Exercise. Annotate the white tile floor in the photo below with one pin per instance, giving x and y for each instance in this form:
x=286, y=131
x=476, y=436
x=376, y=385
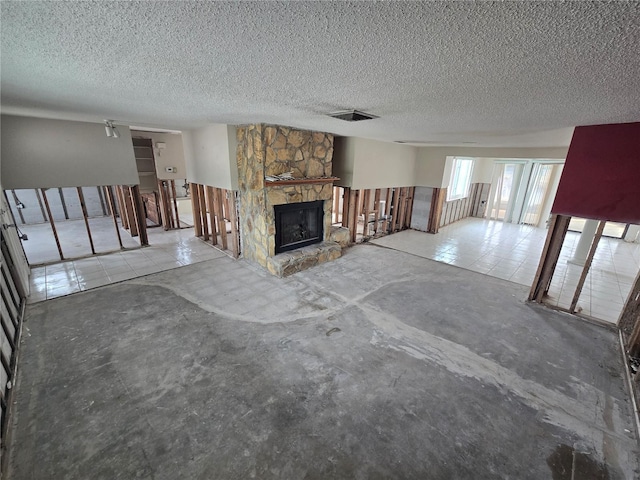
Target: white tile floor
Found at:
x=168, y=250
x=512, y=252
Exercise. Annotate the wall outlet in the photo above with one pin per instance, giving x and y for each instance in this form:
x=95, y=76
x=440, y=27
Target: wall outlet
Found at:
x=170, y=169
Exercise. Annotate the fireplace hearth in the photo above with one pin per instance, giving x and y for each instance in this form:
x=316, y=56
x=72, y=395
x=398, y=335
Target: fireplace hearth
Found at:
x=298, y=225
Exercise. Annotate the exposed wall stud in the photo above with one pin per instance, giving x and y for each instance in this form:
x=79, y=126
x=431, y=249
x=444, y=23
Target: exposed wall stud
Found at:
x=83, y=206
x=52, y=223
x=112, y=206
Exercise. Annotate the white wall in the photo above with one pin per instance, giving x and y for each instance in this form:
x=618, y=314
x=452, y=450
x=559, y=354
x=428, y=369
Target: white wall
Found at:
x=210, y=156
x=482, y=170
x=170, y=156
x=343, y=158
x=432, y=169
x=40, y=153
x=383, y=164
x=363, y=163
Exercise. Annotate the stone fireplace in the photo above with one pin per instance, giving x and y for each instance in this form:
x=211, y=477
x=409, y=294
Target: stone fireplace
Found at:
x=303, y=202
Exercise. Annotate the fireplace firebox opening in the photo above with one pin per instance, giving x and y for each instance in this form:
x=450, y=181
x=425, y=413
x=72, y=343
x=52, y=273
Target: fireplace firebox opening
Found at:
x=298, y=225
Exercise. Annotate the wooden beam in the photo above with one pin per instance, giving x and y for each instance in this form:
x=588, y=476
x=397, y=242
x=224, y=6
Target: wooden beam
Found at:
x=42, y=210
x=233, y=217
x=112, y=211
x=387, y=211
x=222, y=226
x=587, y=265
x=63, y=203
x=140, y=217
x=549, y=258
x=52, y=223
x=376, y=210
x=212, y=214
x=122, y=207
x=174, y=200
x=411, y=193
x=336, y=205
x=437, y=203
x=130, y=210
x=203, y=212
x=353, y=214
x=195, y=209
x=346, y=196
x=395, y=210
x=165, y=220
x=83, y=206
x=101, y=196
x=366, y=203
x=403, y=208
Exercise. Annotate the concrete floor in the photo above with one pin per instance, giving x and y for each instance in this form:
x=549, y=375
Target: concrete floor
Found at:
x=380, y=364
x=512, y=252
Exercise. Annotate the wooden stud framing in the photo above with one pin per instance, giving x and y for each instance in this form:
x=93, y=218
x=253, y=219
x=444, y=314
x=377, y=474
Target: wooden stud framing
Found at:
x=630, y=319
x=52, y=223
x=587, y=265
x=376, y=210
x=411, y=193
x=437, y=202
x=549, y=258
x=346, y=199
x=101, y=196
x=222, y=225
x=366, y=202
x=83, y=206
x=387, y=211
x=353, y=214
x=233, y=217
x=403, y=209
x=138, y=210
x=42, y=209
x=394, y=211
x=195, y=207
x=335, y=213
x=122, y=207
x=165, y=219
x=203, y=213
x=174, y=201
x=63, y=203
x=112, y=210
x=212, y=214
x=631, y=311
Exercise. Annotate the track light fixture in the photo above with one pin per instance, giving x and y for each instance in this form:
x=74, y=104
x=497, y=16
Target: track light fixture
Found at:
x=110, y=129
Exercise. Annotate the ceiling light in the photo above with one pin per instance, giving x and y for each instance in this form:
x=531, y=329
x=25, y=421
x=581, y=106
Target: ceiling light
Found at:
x=352, y=116
x=110, y=129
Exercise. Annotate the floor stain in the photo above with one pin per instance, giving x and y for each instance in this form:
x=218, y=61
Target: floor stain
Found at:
x=567, y=464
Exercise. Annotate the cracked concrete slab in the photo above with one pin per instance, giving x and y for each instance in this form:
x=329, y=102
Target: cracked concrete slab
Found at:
x=377, y=365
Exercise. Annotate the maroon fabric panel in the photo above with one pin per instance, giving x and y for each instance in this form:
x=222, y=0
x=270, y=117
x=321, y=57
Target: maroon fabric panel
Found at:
x=601, y=176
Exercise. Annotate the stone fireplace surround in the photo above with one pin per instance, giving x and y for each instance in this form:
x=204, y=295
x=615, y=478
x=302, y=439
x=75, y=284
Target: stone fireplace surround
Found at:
x=267, y=150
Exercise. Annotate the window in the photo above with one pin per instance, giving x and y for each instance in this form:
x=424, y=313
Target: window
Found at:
x=460, y=178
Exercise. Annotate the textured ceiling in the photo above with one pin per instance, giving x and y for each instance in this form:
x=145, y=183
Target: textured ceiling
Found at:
x=506, y=73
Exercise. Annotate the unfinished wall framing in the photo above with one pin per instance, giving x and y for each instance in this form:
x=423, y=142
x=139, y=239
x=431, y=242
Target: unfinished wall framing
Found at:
x=13, y=293
x=369, y=213
x=215, y=217
x=74, y=222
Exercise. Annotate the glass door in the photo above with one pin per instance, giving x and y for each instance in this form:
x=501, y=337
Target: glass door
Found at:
x=506, y=178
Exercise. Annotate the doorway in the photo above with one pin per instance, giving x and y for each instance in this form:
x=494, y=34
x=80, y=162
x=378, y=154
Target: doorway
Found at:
x=522, y=191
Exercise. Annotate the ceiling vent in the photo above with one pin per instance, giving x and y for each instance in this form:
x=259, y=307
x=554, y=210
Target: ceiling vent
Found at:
x=352, y=116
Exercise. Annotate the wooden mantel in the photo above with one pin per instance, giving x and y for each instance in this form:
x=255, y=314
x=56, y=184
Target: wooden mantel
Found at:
x=301, y=181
